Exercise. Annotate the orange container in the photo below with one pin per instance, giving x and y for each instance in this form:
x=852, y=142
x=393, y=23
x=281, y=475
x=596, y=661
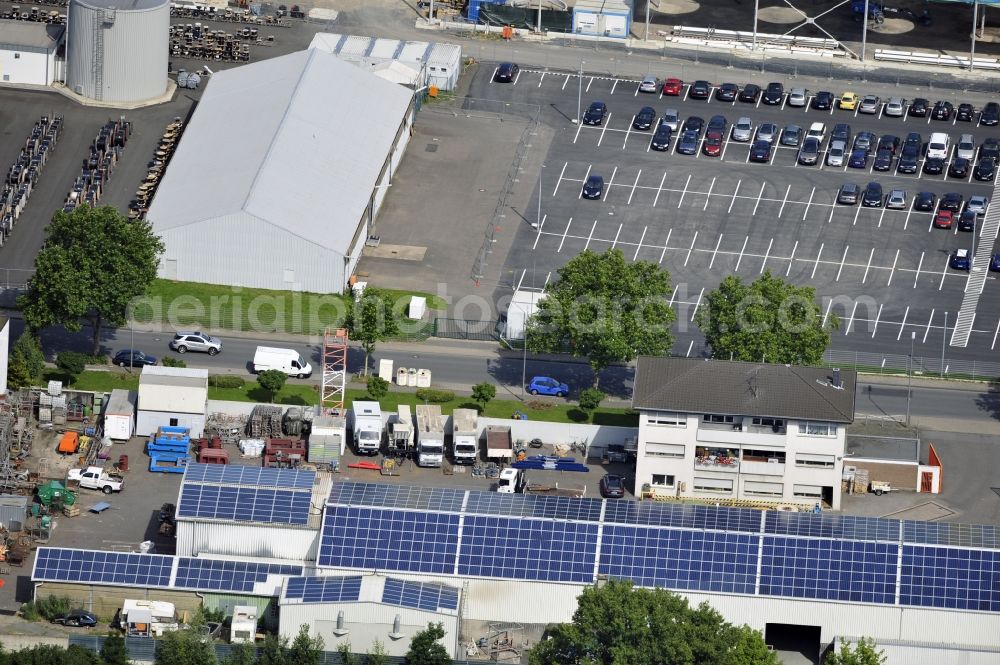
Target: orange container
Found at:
x=69, y=443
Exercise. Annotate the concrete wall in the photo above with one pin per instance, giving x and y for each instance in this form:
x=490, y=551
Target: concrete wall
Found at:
x=17, y=642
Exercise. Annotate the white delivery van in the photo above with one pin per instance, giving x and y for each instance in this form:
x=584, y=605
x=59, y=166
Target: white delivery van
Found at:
x=939, y=146
x=288, y=361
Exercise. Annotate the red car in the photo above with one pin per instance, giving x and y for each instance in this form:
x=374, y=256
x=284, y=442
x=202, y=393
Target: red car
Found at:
x=944, y=219
x=673, y=87
x=713, y=144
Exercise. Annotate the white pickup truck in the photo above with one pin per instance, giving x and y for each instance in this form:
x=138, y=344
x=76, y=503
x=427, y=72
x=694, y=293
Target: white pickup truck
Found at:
x=94, y=478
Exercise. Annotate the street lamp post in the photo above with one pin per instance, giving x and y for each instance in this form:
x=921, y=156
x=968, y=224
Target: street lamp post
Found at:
x=909, y=377
x=579, y=94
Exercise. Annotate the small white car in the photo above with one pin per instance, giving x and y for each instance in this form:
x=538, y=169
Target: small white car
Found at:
x=966, y=148
x=817, y=130
x=649, y=84
x=896, y=200
x=743, y=130
x=895, y=107
x=797, y=97
x=835, y=155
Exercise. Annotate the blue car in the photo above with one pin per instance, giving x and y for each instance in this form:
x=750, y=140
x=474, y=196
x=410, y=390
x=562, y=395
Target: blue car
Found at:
x=858, y=159
x=545, y=385
x=960, y=260
x=995, y=263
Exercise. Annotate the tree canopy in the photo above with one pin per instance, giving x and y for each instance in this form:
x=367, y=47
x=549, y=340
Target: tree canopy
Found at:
x=605, y=309
x=372, y=320
x=767, y=320
x=93, y=263
x=617, y=624
x=865, y=652
x=426, y=649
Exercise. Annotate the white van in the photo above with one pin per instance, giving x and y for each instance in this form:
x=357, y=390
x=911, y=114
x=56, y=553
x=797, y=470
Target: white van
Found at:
x=939, y=146
x=284, y=360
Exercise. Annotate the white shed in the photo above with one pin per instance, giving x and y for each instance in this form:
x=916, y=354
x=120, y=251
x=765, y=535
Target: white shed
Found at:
x=521, y=307
x=119, y=416
x=432, y=63
x=174, y=396
x=602, y=18
x=28, y=52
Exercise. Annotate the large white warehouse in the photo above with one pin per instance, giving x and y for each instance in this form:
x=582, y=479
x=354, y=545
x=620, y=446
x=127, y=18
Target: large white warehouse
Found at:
x=280, y=173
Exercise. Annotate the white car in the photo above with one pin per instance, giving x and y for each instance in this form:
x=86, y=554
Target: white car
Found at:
x=797, y=97
x=895, y=107
x=835, y=155
x=649, y=84
x=896, y=200
x=743, y=130
x=672, y=119
x=817, y=130
x=966, y=148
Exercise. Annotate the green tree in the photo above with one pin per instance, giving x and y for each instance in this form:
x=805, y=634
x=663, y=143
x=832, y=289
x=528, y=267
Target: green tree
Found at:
x=377, y=387
x=590, y=399
x=425, y=649
x=767, y=320
x=113, y=651
x=483, y=393
x=241, y=654
x=71, y=364
x=377, y=655
x=347, y=656
x=605, y=309
x=372, y=320
x=26, y=361
x=93, y=263
x=273, y=651
x=865, y=652
x=617, y=624
x=185, y=647
x=306, y=649
x=272, y=381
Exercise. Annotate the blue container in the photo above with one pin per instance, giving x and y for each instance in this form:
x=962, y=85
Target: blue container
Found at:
x=474, y=8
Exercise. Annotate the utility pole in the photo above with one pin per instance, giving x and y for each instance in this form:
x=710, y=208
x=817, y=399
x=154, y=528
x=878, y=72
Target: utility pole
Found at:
x=975, y=18
x=864, y=32
x=579, y=95
x=909, y=377
x=944, y=335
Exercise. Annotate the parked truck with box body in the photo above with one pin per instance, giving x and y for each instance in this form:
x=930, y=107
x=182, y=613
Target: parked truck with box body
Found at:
x=401, y=432
x=430, y=435
x=367, y=430
x=148, y=618
x=465, y=435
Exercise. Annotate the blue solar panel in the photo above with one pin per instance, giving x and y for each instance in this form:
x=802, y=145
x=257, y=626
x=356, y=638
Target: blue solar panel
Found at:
x=244, y=504
x=375, y=538
x=680, y=515
x=697, y=560
x=323, y=589
x=946, y=533
x=397, y=496
x=526, y=549
x=533, y=505
x=951, y=578
x=224, y=575
x=54, y=564
x=427, y=596
x=843, y=527
x=254, y=476
x=855, y=571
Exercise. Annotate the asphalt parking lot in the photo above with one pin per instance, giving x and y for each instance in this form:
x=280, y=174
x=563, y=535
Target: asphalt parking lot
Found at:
x=883, y=272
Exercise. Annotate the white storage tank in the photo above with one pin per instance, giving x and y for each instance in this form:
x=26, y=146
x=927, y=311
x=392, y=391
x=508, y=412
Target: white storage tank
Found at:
x=117, y=50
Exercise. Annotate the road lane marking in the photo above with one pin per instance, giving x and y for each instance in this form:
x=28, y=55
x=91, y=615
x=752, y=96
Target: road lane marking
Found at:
x=716, y=252
x=842, y=259
x=691, y=248
x=902, y=326
x=559, y=181
x=564, y=234
x=816, y=265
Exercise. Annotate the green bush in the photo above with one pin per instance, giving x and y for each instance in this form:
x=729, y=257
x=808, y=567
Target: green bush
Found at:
x=590, y=399
x=45, y=608
x=435, y=395
x=173, y=362
x=225, y=381
x=377, y=387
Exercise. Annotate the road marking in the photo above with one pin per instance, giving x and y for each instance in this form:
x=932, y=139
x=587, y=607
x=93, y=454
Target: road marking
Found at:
x=585, y=176
x=850, y=321
x=628, y=131
x=919, y=265
x=639, y=246
x=906, y=222
x=559, y=181
x=877, y=317
x=737, y=191
x=497, y=68
x=673, y=295
x=740, y=260
x=826, y=315
x=684, y=192
x=715, y=253
x=517, y=78
x=564, y=234
x=709, y=197
x=902, y=326
x=927, y=330
x=566, y=81
x=604, y=128
x=766, y=255
x=539, y=234
x=893, y=270
x=690, y=346
x=579, y=127
x=691, y=248
x=858, y=212
x=868, y=267
x=784, y=201
x=725, y=144
x=613, y=86
x=759, y=195
x=809, y=203
x=590, y=236
x=542, y=78
x=833, y=209
x=930, y=225
x=791, y=259
x=842, y=259
x=589, y=82
x=816, y=265
x=634, y=185
x=696, y=306
x=944, y=273
x=636, y=93
x=881, y=217
x=881, y=108
x=666, y=243
x=659, y=188
x=686, y=91
x=997, y=332
x=616, y=236
x=610, y=183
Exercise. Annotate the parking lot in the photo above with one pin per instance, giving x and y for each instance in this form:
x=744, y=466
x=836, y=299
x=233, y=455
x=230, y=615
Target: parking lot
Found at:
x=885, y=273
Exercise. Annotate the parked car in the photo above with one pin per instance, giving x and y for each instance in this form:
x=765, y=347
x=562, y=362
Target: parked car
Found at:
x=865, y=140
x=965, y=112
x=967, y=221
x=546, y=385
x=712, y=145
x=687, y=144
x=132, y=358
x=889, y=142
x=506, y=73
x=760, y=151
x=791, y=135
x=990, y=149
x=661, y=137
x=959, y=168
x=727, y=92
x=672, y=119
x=961, y=259
x=616, y=453
x=809, y=152
x=858, y=159
x=918, y=107
x=700, y=90
x=750, y=93
x=743, y=130
x=985, y=170
x=870, y=104
x=933, y=166
x=774, y=93
x=767, y=131
x=990, y=114
x=896, y=199
x=672, y=87
x=914, y=139
x=944, y=219
x=612, y=487
x=595, y=113
x=818, y=131
x=848, y=101
x=995, y=263
x=872, y=196
x=849, y=194
x=644, y=118
x=194, y=340
x=835, y=155
x=951, y=201
x=895, y=107
x=943, y=110
x=717, y=123
x=909, y=160
x=841, y=132
x=966, y=147
x=883, y=160
x=694, y=124
x=797, y=97
x=594, y=187
x=925, y=201
x=76, y=618
x=822, y=100
x=649, y=83
x=977, y=204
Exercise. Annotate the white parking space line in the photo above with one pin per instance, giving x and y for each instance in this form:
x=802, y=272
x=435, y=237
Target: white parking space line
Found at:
x=615, y=243
x=818, y=255
x=709, y=197
x=679, y=203
x=589, y=82
x=686, y=91
x=735, y=192
x=542, y=78
x=566, y=81
x=809, y=203
x=516, y=78
x=579, y=127
x=691, y=248
x=944, y=273
x=833, y=209
x=880, y=109
x=589, y=237
x=660, y=188
x=539, y=234
x=791, y=259
x=869, y=266
x=564, y=235
x=494, y=76
x=636, y=93
x=561, y=174
x=893, y=270
x=930, y=224
x=585, y=176
x=766, y=255
x=628, y=130
x=613, y=86
x=919, y=265
x=881, y=217
x=740, y=259
x=604, y=128
x=826, y=314
x=722, y=155
x=759, y=195
x=997, y=332
x=850, y=321
x=784, y=201
x=666, y=243
x=906, y=222
x=695, y=312
x=611, y=182
x=634, y=185
x=856, y=213
x=758, y=101
x=690, y=347
x=842, y=259
x=877, y=318
x=902, y=326
x=715, y=252
x=927, y=330
x=639, y=246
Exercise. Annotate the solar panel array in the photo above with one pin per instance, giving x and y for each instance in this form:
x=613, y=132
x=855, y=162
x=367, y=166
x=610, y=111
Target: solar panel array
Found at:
x=397, y=496
x=951, y=578
x=251, y=476
x=945, y=533
x=428, y=596
x=533, y=505
x=843, y=527
x=244, y=504
x=54, y=564
x=682, y=515
x=225, y=575
x=323, y=589
x=528, y=549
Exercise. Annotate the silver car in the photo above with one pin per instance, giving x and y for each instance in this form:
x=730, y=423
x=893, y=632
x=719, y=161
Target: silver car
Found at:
x=966, y=148
x=896, y=199
x=743, y=129
x=835, y=155
x=895, y=107
x=977, y=204
x=185, y=341
x=672, y=119
x=809, y=152
x=649, y=84
x=797, y=97
x=869, y=104
x=767, y=131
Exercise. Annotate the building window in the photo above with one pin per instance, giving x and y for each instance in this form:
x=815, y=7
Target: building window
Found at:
x=818, y=429
x=174, y=422
x=667, y=419
x=713, y=485
x=662, y=480
x=17, y=56
x=810, y=491
x=763, y=489
x=721, y=457
x=814, y=460
x=665, y=450
x=444, y=70
x=712, y=418
x=772, y=456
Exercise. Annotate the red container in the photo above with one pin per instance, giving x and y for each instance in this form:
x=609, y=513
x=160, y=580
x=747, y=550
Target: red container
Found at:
x=123, y=463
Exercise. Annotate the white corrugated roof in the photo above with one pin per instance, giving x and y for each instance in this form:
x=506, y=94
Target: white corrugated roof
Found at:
x=297, y=141
x=397, y=72
x=173, y=389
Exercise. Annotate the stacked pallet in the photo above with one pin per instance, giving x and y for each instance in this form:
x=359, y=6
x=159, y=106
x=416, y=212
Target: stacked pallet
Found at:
x=265, y=422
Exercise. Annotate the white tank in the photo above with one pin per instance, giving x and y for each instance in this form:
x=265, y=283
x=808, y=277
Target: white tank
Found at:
x=117, y=50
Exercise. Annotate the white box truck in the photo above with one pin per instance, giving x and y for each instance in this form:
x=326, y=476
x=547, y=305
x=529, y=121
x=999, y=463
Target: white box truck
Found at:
x=430, y=435
x=288, y=361
x=367, y=430
x=465, y=435
x=119, y=416
x=401, y=432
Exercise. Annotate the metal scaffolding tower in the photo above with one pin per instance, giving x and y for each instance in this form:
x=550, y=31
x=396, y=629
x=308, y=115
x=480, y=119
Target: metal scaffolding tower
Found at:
x=334, y=370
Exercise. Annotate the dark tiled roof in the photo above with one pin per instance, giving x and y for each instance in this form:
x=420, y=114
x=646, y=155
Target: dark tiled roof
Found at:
x=695, y=385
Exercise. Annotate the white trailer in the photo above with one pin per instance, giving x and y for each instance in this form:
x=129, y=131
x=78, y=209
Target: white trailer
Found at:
x=465, y=435
x=243, y=628
x=367, y=429
x=327, y=440
x=430, y=435
x=401, y=431
x=148, y=618
x=119, y=416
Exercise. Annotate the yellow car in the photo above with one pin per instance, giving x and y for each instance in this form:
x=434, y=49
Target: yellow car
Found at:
x=849, y=101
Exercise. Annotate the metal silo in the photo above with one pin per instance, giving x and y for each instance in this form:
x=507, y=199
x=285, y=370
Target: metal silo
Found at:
x=117, y=49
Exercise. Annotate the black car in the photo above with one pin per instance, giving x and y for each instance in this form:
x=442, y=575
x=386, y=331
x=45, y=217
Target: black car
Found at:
x=990, y=150
x=760, y=151
x=717, y=123
x=864, y=141
x=909, y=160
x=693, y=124
x=942, y=110
x=872, y=197
x=883, y=160
x=914, y=139
x=918, y=107
x=661, y=138
x=595, y=113
x=933, y=166
x=967, y=221
x=506, y=72
x=644, y=118
x=612, y=487
x=925, y=201
x=727, y=92
x=841, y=132
x=616, y=453
x=959, y=168
x=951, y=201
x=167, y=512
x=594, y=187
x=687, y=144
x=858, y=159
x=76, y=618
x=750, y=93
x=822, y=101
x=965, y=112
x=132, y=358
x=774, y=93
x=848, y=194
x=700, y=90
x=890, y=143
x=985, y=170
x=990, y=114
